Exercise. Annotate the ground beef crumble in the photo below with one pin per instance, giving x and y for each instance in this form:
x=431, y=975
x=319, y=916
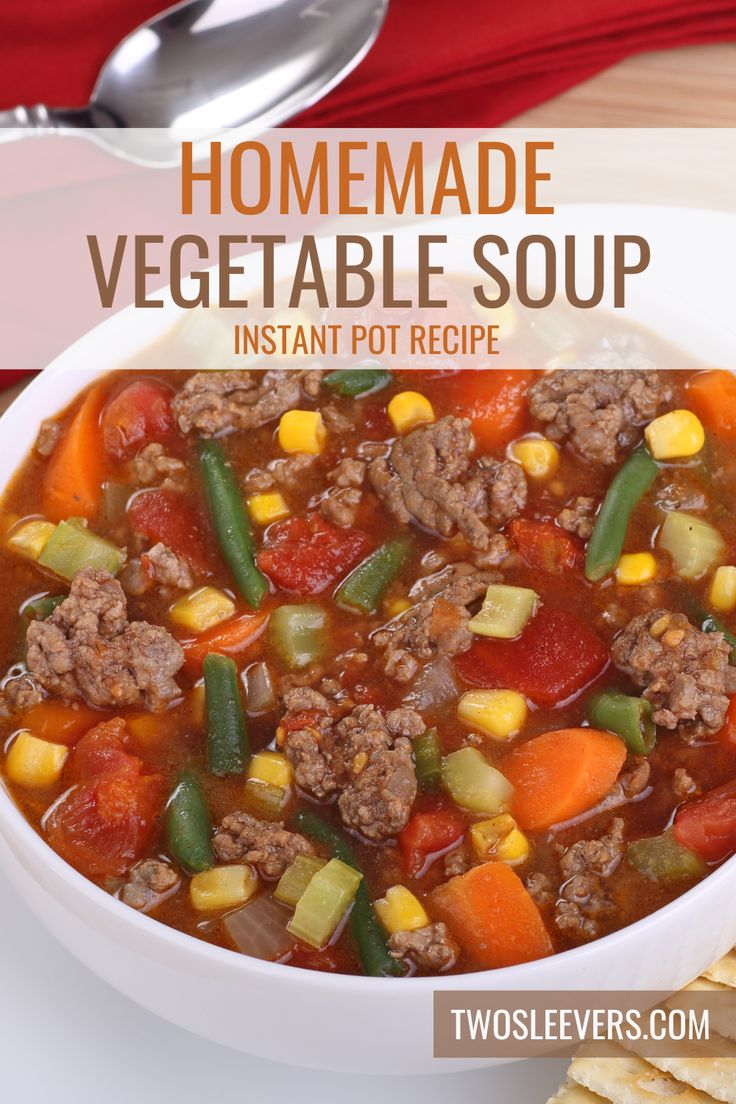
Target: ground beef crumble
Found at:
x=365, y=757
x=153, y=466
x=430, y=948
x=267, y=845
x=88, y=649
x=600, y=411
x=436, y=624
x=285, y=473
x=584, y=901
x=341, y=501
x=164, y=567
x=684, y=672
x=48, y=437
x=149, y=884
x=429, y=477
x=578, y=517
x=211, y=402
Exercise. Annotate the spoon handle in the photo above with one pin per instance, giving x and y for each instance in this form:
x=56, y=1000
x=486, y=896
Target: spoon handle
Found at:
x=17, y=122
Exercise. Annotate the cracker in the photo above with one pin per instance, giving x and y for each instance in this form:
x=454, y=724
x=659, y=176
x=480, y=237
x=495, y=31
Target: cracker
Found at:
x=626, y=1079
x=724, y=971
x=570, y=1093
x=714, y=1076
x=722, y=1017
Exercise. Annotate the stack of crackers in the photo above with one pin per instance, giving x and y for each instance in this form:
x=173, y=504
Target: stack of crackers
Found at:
x=623, y=1077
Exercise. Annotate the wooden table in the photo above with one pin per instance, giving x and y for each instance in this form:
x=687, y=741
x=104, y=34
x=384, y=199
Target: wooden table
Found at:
x=694, y=86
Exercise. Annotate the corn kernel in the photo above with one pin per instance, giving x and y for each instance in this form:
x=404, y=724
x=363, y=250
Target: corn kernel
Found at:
x=271, y=767
x=30, y=538
x=222, y=887
x=302, y=431
x=500, y=714
x=400, y=910
x=197, y=704
x=34, y=763
x=635, y=568
x=499, y=838
x=679, y=433
x=722, y=593
x=265, y=508
x=409, y=409
x=538, y=457
x=396, y=606
x=201, y=609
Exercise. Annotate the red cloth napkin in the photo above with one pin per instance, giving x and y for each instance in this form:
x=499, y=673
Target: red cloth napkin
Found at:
x=436, y=63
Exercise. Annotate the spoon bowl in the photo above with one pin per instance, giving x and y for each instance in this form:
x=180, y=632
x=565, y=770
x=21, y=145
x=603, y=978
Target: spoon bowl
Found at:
x=213, y=69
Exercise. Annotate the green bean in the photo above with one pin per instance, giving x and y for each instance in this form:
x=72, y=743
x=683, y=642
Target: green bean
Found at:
x=188, y=826
x=231, y=522
x=227, y=738
x=629, y=717
x=707, y=622
x=627, y=487
x=38, y=609
x=364, y=926
x=428, y=759
x=365, y=587
x=351, y=382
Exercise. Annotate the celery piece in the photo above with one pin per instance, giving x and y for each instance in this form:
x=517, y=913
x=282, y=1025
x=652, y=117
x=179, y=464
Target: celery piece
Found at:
x=265, y=800
x=505, y=611
x=474, y=784
x=663, y=859
x=73, y=547
x=298, y=634
x=295, y=879
x=694, y=545
x=324, y=903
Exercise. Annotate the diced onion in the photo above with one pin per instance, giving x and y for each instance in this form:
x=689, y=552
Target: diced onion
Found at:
x=258, y=929
x=260, y=695
x=434, y=685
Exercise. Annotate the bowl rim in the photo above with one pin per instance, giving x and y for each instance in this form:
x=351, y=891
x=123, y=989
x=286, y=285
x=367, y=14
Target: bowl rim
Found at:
x=13, y=824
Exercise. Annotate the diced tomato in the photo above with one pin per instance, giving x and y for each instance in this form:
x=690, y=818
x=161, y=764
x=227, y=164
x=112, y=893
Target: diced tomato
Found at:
x=428, y=834
x=707, y=824
x=169, y=517
x=727, y=735
x=102, y=751
x=494, y=400
x=555, y=657
x=104, y=823
x=543, y=546
x=137, y=415
x=229, y=638
x=307, y=555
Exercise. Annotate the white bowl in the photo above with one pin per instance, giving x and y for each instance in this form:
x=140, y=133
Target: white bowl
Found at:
x=354, y=1024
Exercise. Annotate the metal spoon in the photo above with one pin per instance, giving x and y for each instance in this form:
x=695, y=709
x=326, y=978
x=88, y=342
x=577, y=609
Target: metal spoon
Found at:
x=205, y=68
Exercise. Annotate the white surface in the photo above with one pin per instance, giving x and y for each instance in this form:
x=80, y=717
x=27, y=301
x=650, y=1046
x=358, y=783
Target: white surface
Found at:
x=67, y=1037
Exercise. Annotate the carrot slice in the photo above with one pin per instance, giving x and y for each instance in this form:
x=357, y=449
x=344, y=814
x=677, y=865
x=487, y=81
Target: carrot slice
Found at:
x=72, y=485
x=60, y=722
x=713, y=397
x=561, y=774
x=492, y=916
x=230, y=638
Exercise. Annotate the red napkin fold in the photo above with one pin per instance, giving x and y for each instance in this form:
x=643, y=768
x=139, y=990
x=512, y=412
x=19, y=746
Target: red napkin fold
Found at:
x=436, y=63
